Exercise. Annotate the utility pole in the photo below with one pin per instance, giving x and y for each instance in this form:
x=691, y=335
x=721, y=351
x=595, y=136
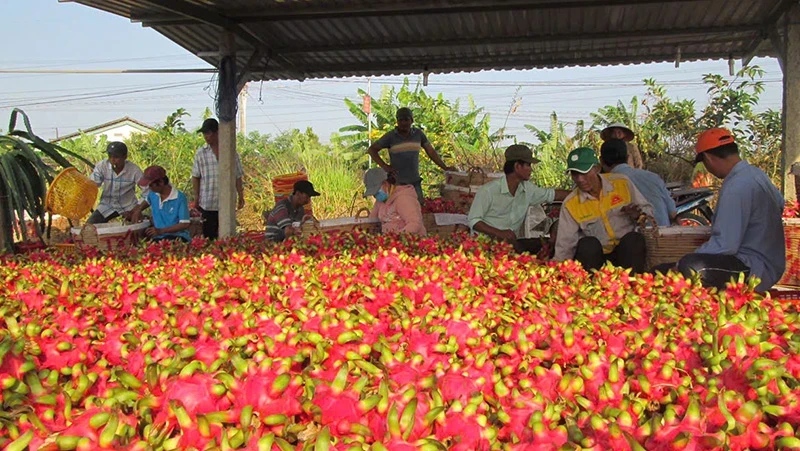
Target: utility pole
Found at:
x=243, y=111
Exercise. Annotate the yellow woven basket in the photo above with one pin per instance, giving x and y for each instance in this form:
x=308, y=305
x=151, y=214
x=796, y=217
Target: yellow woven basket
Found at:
x=71, y=194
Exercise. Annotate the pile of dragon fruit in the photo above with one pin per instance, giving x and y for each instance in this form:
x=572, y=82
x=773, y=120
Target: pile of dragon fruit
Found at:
x=358, y=342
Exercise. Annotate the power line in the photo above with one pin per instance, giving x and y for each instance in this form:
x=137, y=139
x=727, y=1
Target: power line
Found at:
x=107, y=71
x=97, y=96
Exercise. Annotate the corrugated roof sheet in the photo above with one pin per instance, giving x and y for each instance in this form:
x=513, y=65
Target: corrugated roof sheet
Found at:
x=335, y=38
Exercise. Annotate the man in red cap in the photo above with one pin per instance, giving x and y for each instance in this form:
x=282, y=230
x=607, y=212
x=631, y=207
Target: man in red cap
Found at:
x=170, y=210
x=747, y=230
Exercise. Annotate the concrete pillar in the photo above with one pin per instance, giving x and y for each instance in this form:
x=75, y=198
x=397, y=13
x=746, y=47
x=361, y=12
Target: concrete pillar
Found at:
x=227, y=152
x=243, y=110
x=791, y=101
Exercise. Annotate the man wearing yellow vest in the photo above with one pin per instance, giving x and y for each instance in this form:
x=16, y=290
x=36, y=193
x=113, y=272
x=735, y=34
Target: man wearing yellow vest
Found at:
x=598, y=219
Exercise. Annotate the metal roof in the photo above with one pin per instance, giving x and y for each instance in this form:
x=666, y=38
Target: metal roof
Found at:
x=298, y=39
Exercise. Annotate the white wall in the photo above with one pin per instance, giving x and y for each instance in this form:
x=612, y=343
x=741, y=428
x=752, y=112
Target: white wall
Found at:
x=119, y=133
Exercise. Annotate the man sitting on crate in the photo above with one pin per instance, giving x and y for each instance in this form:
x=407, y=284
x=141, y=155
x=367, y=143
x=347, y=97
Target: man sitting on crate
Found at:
x=396, y=206
x=500, y=206
x=747, y=230
x=170, y=209
x=289, y=210
x=404, y=143
x=598, y=219
x=614, y=157
x=118, y=177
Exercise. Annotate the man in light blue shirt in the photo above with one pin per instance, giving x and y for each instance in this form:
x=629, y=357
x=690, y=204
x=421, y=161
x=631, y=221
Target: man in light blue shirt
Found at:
x=169, y=207
x=747, y=231
x=500, y=206
x=614, y=157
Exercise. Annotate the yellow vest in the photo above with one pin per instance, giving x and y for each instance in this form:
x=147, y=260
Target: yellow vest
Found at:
x=591, y=209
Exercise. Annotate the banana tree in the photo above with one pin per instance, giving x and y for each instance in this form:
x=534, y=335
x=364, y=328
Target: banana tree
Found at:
x=27, y=164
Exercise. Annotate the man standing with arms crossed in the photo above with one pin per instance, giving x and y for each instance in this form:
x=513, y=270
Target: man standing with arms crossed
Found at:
x=205, y=179
x=404, y=143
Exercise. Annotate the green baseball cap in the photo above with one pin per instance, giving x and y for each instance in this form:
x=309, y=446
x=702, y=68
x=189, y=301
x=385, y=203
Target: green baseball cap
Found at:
x=582, y=160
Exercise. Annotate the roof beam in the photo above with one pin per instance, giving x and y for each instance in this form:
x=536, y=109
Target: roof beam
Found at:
x=404, y=9
x=207, y=16
x=764, y=33
x=521, y=61
x=674, y=32
x=244, y=74
x=193, y=13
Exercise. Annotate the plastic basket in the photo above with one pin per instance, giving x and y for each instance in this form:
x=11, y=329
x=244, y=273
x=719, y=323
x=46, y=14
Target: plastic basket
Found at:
x=71, y=194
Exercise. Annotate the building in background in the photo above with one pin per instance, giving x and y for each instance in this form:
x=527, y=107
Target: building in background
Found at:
x=116, y=130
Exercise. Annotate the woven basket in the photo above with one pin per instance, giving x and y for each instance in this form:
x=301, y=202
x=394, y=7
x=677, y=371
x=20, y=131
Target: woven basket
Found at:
x=65, y=248
x=108, y=237
x=71, y=194
x=361, y=221
x=791, y=230
x=669, y=244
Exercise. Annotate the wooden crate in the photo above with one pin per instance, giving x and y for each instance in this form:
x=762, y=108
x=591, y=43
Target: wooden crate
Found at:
x=109, y=237
x=360, y=221
x=446, y=225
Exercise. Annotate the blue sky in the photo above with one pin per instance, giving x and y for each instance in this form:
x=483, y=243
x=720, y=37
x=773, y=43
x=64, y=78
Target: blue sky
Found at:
x=45, y=34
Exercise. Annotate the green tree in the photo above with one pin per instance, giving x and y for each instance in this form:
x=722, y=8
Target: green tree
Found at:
x=552, y=149
x=462, y=138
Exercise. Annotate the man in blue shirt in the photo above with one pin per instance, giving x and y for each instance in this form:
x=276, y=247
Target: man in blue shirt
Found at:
x=614, y=157
x=747, y=231
x=169, y=207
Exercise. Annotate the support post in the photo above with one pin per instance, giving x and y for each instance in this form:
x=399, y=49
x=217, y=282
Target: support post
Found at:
x=227, y=150
x=243, y=110
x=791, y=102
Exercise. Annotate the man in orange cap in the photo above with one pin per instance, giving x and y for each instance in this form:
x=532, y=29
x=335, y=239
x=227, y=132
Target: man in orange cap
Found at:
x=747, y=232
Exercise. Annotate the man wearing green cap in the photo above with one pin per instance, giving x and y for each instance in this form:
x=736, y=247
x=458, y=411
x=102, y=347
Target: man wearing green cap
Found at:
x=500, y=206
x=598, y=219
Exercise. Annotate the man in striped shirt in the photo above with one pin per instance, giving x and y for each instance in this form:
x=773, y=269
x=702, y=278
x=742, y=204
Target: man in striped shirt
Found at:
x=289, y=210
x=119, y=178
x=404, y=143
x=205, y=179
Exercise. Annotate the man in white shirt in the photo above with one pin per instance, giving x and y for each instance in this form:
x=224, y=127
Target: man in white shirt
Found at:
x=205, y=176
x=118, y=177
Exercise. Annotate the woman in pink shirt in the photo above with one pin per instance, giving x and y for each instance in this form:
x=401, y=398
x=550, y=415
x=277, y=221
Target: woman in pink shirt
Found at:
x=396, y=206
